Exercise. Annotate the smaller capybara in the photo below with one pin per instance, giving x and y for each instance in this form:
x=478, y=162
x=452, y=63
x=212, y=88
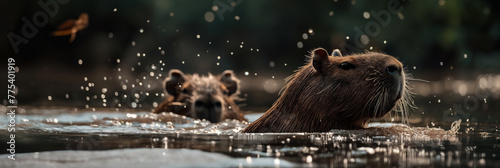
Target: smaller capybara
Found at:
x=202, y=97
x=337, y=92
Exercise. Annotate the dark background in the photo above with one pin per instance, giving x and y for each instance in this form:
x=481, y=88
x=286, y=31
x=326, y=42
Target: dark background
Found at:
x=430, y=37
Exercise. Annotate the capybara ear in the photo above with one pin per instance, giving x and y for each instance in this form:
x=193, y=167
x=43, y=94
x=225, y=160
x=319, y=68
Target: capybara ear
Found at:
x=173, y=83
x=320, y=59
x=336, y=53
x=229, y=80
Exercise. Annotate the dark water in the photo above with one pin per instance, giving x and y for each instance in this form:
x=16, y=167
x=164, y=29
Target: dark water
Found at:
x=43, y=134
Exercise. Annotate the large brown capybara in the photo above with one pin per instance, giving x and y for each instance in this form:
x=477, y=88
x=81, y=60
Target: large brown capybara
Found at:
x=337, y=92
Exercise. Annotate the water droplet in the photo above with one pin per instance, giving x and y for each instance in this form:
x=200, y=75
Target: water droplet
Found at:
x=366, y=15
x=110, y=35
x=124, y=87
x=331, y=13
x=198, y=36
x=147, y=21
x=117, y=60
x=272, y=64
x=141, y=30
x=364, y=39
x=371, y=48
x=133, y=43
x=215, y=8
x=49, y=97
x=299, y=44
x=172, y=14
x=209, y=17
x=255, y=73
x=85, y=78
x=414, y=67
x=385, y=42
x=276, y=161
x=310, y=31
x=309, y=159
x=286, y=64
x=104, y=90
x=114, y=10
x=347, y=37
x=237, y=17
x=67, y=96
x=218, y=57
x=133, y=104
x=80, y=61
x=401, y=16
x=465, y=55
x=183, y=62
x=304, y=36
x=241, y=46
x=246, y=73
x=441, y=63
x=217, y=63
x=198, y=55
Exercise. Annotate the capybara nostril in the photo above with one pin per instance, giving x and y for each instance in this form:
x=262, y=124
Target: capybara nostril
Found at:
x=392, y=69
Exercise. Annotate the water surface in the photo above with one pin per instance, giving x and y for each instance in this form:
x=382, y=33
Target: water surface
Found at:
x=64, y=137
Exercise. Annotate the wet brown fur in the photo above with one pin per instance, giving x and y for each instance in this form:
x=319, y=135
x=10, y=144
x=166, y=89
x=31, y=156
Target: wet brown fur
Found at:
x=321, y=96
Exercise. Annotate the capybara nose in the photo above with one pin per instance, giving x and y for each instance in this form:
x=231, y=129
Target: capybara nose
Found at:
x=208, y=109
x=199, y=104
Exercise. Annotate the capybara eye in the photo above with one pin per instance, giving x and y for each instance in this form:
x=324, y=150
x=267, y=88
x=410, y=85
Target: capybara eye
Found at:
x=185, y=91
x=392, y=69
x=346, y=66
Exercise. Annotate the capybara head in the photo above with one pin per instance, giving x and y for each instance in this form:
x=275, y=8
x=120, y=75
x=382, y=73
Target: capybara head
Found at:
x=336, y=92
x=367, y=85
x=202, y=97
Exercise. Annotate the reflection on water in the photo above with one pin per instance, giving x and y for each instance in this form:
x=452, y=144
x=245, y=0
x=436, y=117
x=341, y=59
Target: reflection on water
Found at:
x=381, y=145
